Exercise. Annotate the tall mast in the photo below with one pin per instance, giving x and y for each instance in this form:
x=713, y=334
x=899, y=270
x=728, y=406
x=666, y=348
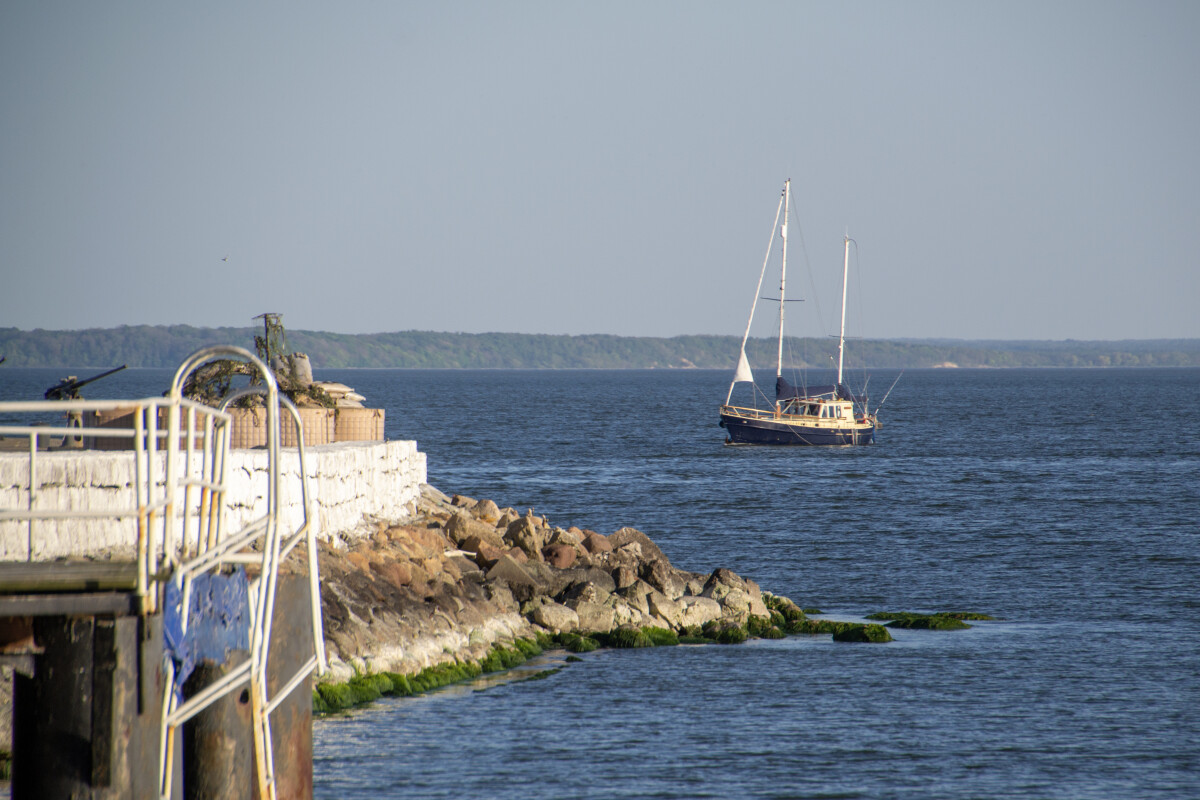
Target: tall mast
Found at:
x=743, y=373
x=842, y=335
x=783, y=276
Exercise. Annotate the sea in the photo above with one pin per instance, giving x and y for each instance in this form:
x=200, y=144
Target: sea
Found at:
x=1063, y=503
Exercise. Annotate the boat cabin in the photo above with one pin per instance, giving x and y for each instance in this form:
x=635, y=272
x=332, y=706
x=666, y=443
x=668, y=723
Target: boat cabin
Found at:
x=821, y=409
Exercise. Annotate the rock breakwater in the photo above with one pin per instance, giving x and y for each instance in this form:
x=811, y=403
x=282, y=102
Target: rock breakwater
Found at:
x=464, y=579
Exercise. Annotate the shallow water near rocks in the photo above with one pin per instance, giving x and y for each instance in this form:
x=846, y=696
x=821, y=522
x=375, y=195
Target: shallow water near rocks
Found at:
x=1064, y=502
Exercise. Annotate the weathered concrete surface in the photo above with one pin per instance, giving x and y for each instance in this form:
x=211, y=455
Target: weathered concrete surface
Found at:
x=352, y=486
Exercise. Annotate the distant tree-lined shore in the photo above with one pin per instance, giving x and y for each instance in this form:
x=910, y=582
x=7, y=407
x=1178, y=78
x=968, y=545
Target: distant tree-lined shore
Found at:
x=166, y=346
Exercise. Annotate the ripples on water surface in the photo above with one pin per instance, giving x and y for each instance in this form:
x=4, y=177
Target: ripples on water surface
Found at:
x=1066, y=502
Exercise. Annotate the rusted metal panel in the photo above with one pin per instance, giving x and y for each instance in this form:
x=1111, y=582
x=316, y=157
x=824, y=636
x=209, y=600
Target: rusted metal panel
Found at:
x=218, y=744
x=291, y=723
x=79, y=729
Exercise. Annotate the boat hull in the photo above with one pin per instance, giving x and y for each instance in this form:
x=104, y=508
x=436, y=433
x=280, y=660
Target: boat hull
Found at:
x=744, y=430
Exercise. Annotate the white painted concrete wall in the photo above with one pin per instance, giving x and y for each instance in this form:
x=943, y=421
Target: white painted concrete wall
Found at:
x=352, y=486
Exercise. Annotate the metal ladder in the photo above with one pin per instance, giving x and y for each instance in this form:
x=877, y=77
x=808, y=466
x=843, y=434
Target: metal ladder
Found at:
x=197, y=464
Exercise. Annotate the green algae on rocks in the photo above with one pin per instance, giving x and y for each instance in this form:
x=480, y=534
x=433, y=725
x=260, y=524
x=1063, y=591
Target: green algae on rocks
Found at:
x=331, y=697
x=862, y=633
x=938, y=621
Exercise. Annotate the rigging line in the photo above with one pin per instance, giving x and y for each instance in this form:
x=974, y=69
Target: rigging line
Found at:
x=889, y=391
x=858, y=284
x=808, y=268
x=758, y=291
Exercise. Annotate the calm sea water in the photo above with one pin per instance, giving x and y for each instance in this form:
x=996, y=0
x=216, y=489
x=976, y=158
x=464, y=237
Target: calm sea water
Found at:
x=1065, y=502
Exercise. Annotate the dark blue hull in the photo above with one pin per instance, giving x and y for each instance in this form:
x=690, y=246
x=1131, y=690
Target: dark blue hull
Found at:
x=761, y=431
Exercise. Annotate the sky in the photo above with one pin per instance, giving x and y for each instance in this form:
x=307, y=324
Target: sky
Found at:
x=1007, y=170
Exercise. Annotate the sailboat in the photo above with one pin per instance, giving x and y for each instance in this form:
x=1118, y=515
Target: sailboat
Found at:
x=802, y=415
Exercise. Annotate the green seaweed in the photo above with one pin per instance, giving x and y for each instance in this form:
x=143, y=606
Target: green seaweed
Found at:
x=501, y=658
x=687, y=639
x=577, y=643
x=929, y=622
x=625, y=638
x=332, y=697
x=862, y=633
x=661, y=637
x=757, y=626
x=528, y=647
x=920, y=619
x=725, y=632
x=546, y=673
x=574, y=659
x=787, y=610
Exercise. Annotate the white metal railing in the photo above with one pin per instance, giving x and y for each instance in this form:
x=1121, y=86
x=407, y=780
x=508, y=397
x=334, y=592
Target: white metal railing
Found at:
x=179, y=498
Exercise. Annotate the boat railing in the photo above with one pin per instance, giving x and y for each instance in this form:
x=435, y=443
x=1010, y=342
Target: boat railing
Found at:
x=755, y=413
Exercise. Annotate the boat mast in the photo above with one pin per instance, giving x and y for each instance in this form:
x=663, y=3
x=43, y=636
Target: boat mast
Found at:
x=782, y=276
x=743, y=373
x=842, y=335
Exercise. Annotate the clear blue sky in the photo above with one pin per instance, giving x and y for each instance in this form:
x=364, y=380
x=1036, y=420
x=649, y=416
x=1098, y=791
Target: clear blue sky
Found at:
x=1010, y=170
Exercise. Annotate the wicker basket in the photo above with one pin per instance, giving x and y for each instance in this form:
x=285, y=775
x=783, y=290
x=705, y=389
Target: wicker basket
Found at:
x=359, y=425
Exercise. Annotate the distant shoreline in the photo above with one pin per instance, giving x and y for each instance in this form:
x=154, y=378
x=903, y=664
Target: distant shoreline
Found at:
x=167, y=346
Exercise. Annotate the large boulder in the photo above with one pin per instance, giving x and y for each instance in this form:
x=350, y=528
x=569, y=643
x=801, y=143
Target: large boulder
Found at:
x=626, y=536
x=561, y=536
x=741, y=597
x=624, y=576
x=661, y=576
x=559, y=556
x=507, y=571
x=462, y=526
x=555, y=617
x=624, y=614
x=584, y=592
x=698, y=610
x=635, y=595
x=487, y=511
x=572, y=539
x=593, y=617
x=525, y=534
x=486, y=555
x=593, y=575
x=596, y=543
x=668, y=610
x=550, y=581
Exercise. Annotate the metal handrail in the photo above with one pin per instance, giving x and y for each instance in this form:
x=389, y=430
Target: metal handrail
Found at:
x=181, y=492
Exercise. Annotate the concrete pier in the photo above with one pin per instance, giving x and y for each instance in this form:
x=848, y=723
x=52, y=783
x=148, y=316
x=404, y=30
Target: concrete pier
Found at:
x=351, y=484
x=89, y=680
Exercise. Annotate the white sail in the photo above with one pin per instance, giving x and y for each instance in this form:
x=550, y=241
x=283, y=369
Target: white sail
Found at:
x=743, y=374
